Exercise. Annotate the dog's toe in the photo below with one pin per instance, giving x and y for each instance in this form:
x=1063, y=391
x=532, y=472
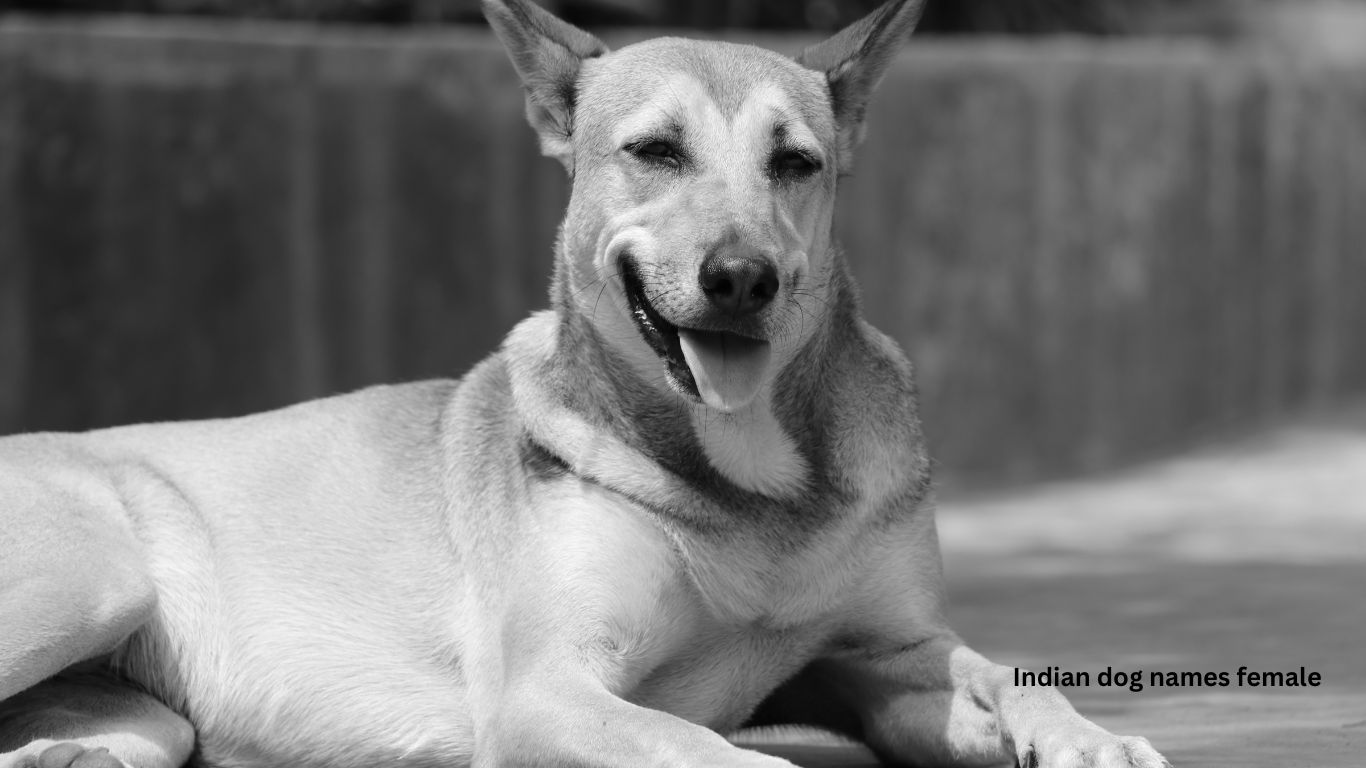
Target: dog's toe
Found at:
x=59, y=755
x=1140, y=753
x=69, y=754
x=1093, y=748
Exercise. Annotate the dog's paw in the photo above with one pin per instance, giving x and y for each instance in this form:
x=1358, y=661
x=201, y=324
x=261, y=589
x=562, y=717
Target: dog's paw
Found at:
x=63, y=754
x=1089, y=748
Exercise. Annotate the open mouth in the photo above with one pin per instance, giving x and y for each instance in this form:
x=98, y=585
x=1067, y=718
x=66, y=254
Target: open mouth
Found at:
x=661, y=335
x=720, y=368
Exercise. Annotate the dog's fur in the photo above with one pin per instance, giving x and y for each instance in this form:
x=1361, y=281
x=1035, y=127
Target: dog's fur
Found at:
x=692, y=495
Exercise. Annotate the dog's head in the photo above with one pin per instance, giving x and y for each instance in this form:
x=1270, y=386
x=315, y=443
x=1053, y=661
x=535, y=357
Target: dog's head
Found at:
x=704, y=175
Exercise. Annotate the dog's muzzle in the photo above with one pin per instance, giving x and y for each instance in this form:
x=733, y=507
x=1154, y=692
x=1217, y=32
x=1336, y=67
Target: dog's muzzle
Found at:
x=723, y=369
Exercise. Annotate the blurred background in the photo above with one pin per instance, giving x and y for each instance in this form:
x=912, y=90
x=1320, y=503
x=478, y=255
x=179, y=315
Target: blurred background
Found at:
x=1124, y=242
x=1104, y=229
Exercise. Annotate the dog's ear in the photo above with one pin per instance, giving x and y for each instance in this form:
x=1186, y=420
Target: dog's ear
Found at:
x=547, y=53
x=854, y=60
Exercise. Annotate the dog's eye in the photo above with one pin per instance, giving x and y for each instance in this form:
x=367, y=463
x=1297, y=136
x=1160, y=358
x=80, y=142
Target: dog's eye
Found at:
x=656, y=150
x=793, y=163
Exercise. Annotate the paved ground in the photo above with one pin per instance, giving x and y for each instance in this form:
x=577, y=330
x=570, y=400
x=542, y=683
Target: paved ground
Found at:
x=1251, y=554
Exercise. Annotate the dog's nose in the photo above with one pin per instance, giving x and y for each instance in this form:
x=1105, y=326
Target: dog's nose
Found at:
x=736, y=283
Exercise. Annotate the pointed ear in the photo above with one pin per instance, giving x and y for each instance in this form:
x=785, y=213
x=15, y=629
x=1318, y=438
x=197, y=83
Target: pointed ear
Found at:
x=547, y=53
x=854, y=60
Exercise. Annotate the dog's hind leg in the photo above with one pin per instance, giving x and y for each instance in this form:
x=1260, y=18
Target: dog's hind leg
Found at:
x=74, y=581
x=90, y=721
x=74, y=584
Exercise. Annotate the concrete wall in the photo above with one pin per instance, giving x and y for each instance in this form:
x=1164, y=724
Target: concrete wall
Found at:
x=1093, y=252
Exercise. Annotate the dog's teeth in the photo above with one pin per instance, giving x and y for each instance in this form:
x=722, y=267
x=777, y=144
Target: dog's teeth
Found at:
x=728, y=369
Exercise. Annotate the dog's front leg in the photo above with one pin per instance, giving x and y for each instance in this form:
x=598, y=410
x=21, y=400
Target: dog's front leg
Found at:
x=577, y=722
x=936, y=701
x=588, y=608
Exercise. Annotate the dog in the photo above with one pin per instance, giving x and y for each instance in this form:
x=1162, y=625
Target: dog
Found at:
x=692, y=495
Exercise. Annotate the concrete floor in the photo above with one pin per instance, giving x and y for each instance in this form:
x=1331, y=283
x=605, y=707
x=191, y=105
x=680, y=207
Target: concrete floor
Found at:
x=1248, y=554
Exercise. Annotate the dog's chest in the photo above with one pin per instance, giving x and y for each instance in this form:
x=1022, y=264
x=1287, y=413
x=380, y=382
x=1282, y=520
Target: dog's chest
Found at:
x=701, y=627
x=721, y=674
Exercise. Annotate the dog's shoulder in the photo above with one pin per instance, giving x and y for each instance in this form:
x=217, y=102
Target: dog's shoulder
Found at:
x=887, y=371
x=880, y=444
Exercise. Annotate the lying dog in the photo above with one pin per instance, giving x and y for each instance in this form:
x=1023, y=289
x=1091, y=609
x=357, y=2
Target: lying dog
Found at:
x=694, y=490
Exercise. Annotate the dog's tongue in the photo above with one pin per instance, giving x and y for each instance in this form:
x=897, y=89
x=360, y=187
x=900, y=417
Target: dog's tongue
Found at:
x=728, y=369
